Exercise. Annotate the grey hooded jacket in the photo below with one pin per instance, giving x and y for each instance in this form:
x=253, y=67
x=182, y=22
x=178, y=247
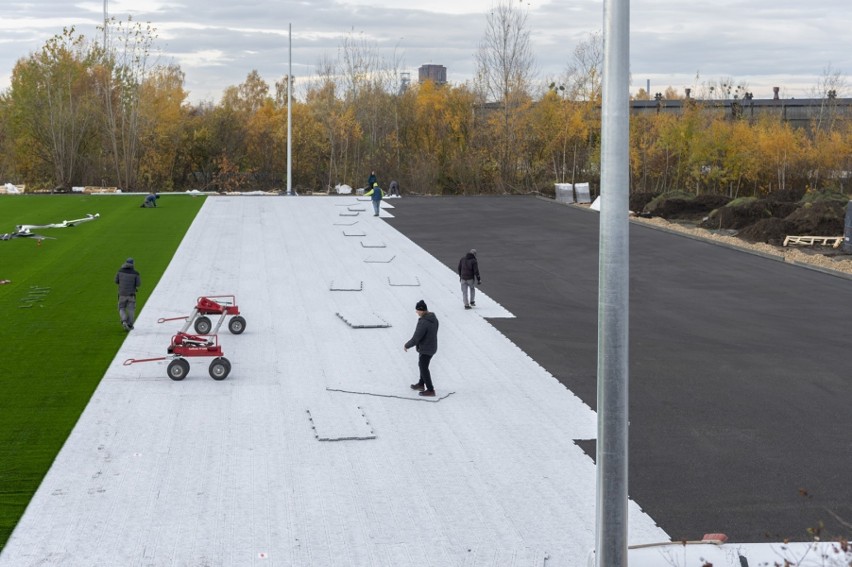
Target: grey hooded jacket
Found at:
x=128, y=280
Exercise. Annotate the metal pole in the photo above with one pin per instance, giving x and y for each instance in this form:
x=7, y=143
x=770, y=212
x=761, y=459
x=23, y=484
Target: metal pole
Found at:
x=289, y=112
x=613, y=298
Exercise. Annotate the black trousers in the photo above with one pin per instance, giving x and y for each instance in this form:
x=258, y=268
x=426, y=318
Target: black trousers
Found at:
x=425, y=375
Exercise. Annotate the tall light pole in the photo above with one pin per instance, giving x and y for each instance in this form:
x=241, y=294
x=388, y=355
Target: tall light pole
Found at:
x=289, y=111
x=613, y=292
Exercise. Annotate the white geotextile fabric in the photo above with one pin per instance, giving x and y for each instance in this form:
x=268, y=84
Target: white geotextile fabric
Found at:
x=230, y=473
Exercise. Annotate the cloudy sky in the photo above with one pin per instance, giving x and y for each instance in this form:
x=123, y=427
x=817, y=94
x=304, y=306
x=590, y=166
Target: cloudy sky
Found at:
x=677, y=43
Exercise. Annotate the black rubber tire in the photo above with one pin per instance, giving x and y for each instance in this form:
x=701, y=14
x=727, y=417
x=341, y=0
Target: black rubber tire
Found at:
x=203, y=325
x=237, y=325
x=220, y=368
x=178, y=369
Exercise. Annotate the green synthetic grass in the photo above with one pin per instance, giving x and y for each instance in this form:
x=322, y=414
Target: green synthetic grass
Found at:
x=54, y=353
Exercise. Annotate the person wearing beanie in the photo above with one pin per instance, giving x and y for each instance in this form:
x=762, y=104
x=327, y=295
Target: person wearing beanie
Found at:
x=468, y=274
x=128, y=281
x=425, y=339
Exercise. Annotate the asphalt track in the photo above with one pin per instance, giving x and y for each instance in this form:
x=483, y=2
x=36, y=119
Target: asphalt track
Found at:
x=740, y=414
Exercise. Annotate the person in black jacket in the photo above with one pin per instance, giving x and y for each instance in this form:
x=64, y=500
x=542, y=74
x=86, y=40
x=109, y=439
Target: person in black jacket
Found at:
x=425, y=338
x=468, y=273
x=128, y=281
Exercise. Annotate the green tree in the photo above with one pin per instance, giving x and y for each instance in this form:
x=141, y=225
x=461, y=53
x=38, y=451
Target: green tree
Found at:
x=53, y=110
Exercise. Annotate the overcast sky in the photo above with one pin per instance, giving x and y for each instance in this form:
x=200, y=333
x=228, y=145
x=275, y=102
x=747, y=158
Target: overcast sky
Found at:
x=677, y=43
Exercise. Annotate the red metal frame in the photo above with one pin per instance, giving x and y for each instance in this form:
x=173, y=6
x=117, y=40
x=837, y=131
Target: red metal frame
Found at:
x=205, y=305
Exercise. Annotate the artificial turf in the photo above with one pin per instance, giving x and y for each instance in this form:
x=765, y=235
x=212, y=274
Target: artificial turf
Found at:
x=60, y=328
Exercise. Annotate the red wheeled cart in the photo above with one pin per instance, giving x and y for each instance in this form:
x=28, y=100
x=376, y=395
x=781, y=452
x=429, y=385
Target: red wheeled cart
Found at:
x=221, y=305
x=184, y=346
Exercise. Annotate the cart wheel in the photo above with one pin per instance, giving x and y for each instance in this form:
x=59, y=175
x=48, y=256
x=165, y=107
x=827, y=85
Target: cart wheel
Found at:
x=203, y=325
x=237, y=325
x=178, y=369
x=220, y=368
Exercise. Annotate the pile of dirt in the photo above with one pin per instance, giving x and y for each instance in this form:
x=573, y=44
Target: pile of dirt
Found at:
x=685, y=207
x=821, y=218
x=821, y=257
x=771, y=231
x=768, y=220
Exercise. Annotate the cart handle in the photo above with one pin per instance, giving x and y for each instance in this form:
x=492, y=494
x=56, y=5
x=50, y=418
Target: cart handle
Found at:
x=130, y=361
x=164, y=319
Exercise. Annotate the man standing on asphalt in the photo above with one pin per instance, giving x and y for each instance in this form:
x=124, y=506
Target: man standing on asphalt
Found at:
x=468, y=274
x=128, y=281
x=425, y=338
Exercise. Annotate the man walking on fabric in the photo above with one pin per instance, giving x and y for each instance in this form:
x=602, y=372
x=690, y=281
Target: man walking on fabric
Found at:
x=425, y=338
x=468, y=274
x=128, y=281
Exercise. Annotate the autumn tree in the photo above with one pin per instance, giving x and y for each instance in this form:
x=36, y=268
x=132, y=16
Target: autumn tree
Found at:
x=163, y=119
x=504, y=69
x=53, y=110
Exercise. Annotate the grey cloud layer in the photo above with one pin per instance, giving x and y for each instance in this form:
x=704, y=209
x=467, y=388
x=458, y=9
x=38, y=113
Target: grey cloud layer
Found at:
x=218, y=43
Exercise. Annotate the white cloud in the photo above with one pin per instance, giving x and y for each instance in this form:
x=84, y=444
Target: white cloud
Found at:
x=762, y=42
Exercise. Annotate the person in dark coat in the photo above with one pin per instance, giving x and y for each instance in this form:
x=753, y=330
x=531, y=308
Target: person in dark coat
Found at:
x=372, y=180
x=425, y=338
x=375, y=193
x=468, y=274
x=128, y=281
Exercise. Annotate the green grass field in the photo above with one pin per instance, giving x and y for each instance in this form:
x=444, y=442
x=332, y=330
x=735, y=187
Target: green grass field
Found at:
x=55, y=351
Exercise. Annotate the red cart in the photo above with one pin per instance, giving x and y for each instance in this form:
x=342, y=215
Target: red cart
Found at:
x=207, y=305
x=185, y=346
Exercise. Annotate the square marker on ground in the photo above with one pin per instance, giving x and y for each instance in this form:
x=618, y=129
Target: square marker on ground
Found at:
x=402, y=394
x=349, y=214
x=345, y=223
x=410, y=281
x=346, y=285
x=380, y=258
x=353, y=232
x=347, y=422
x=357, y=209
x=363, y=320
x=372, y=244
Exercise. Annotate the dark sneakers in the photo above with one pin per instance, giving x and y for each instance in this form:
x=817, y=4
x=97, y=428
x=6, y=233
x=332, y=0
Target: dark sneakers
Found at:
x=473, y=303
x=468, y=307
x=418, y=387
x=430, y=393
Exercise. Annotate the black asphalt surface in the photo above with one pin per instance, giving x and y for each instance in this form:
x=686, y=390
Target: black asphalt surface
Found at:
x=740, y=401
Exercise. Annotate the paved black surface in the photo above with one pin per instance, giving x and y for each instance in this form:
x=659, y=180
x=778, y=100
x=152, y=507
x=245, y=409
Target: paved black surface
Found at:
x=740, y=401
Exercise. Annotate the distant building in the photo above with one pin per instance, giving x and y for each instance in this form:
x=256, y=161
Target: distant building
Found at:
x=435, y=73
x=797, y=112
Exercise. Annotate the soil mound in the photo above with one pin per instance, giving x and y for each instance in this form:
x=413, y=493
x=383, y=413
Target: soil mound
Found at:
x=769, y=231
x=679, y=206
x=821, y=218
x=737, y=214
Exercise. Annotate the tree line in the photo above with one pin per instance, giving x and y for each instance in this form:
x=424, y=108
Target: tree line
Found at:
x=106, y=113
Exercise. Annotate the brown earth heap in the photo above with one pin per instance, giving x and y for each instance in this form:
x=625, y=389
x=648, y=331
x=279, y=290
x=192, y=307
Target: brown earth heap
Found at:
x=757, y=224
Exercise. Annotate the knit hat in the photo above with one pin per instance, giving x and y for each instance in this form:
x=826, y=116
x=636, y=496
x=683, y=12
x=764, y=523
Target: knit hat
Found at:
x=421, y=306
x=130, y=260
x=473, y=251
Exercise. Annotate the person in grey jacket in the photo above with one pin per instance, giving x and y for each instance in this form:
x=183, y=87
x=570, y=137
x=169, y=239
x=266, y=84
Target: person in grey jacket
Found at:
x=468, y=274
x=128, y=281
x=425, y=338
